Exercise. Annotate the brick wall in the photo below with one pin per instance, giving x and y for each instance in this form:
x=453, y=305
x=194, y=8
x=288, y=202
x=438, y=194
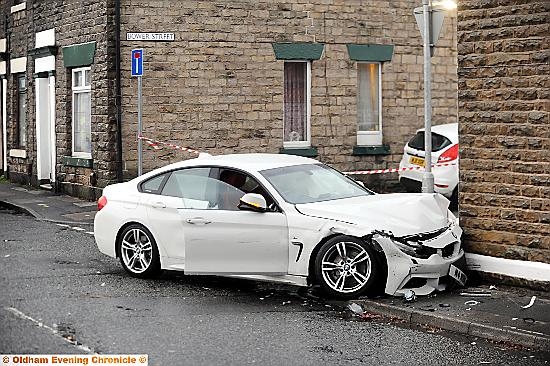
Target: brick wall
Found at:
x=218, y=86
x=504, y=123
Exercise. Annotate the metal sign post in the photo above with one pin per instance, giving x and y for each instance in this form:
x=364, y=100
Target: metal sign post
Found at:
x=430, y=22
x=428, y=178
x=137, y=71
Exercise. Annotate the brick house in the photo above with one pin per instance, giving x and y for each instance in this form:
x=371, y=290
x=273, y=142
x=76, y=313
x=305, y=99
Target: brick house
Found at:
x=504, y=128
x=338, y=80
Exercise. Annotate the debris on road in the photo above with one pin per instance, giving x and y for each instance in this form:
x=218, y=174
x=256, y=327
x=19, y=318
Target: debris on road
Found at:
x=409, y=296
x=476, y=294
x=371, y=316
x=533, y=298
x=356, y=309
x=471, y=303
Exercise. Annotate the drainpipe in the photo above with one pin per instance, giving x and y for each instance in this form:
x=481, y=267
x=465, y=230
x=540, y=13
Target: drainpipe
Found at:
x=118, y=96
x=4, y=98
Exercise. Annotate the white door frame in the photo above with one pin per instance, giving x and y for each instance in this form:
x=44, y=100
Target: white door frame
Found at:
x=45, y=139
x=53, y=149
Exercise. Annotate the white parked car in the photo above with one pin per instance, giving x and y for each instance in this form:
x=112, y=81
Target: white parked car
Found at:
x=280, y=218
x=444, y=150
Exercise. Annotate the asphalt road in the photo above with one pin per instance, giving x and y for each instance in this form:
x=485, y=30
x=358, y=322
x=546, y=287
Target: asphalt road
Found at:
x=60, y=295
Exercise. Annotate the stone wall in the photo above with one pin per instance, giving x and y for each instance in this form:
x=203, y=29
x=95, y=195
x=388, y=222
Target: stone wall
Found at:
x=504, y=119
x=74, y=22
x=218, y=87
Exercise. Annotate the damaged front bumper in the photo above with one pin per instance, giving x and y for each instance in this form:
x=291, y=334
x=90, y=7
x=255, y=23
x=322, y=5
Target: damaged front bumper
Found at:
x=420, y=262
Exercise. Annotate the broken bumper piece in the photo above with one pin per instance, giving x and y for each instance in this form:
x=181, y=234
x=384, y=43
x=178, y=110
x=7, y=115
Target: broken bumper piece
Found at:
x=421, y=263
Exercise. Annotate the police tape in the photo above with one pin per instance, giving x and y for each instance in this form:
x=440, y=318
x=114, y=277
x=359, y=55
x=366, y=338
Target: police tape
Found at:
x=394, y=170
x=155, y=144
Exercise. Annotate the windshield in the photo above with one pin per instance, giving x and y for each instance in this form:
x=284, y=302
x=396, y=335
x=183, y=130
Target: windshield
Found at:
x=312, y=183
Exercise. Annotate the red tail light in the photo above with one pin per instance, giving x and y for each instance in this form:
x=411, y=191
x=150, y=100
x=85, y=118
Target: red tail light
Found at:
x=101, y=202
x=449, y=155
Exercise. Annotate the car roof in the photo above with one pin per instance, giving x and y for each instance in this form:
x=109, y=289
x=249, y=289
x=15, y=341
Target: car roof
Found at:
x=249, y=162
x=449, y=130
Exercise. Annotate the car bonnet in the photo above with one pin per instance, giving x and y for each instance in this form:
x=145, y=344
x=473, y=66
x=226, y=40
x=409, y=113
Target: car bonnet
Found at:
x=399, y=213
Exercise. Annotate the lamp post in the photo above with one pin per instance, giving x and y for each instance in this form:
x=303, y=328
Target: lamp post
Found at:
x=430, y=21
x=428, y=177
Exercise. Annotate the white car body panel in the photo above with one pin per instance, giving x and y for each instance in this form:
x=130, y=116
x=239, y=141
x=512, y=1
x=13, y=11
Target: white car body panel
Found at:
x=278, y=246
x=250, y=243
x=443, y=175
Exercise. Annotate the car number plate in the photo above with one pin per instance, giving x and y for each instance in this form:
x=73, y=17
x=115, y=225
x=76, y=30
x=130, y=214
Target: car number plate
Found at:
x=416, y=161
x=458, y=275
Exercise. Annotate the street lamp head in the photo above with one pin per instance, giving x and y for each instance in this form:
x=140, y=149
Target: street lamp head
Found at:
x=444, y=4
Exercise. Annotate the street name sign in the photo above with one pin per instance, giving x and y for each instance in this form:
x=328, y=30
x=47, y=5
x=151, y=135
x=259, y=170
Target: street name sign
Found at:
x=146, y=36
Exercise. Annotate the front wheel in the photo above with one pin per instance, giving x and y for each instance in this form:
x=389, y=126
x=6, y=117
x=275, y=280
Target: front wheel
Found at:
x=138, y=250
x=346, y=267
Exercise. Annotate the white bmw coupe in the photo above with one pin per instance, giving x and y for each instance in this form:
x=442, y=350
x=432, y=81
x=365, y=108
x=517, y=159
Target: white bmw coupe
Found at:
x=279, y=218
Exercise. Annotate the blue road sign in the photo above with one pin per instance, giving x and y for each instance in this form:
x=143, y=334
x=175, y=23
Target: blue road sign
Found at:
x=137, y=62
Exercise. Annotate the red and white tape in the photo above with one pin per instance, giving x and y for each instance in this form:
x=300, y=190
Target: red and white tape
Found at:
x=393, y=170
x=155, y=145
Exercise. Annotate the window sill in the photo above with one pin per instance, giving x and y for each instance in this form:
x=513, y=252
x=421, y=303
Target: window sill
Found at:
x=18, y=7
x=78, y=162
x=371, y=150
x=309, y=152
x=18, y=153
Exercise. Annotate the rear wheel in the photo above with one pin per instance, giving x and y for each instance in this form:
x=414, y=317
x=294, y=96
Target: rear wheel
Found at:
x=346, y=267
x=138, y=250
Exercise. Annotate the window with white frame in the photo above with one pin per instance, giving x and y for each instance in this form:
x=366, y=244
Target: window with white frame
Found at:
x=297, y=104
x=21, y=111
x=82, y=112
x=369, y=103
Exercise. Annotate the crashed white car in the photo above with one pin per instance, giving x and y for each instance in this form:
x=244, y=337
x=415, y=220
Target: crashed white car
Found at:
x=279, y=218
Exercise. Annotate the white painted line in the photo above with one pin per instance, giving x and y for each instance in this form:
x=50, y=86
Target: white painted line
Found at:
x=21, y=315
x=63, y=225
x=90, y=232
x=78, y=228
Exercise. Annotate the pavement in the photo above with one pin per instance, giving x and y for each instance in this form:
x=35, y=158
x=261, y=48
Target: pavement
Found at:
x=486, y=311
x=48, y=206
x=494, y=313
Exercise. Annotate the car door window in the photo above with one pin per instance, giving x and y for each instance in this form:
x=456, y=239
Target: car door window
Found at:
x=246, y=184
x=190, y=185
x=153, y=185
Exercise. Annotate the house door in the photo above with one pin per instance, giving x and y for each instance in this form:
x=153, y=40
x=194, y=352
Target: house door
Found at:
x=45, y=129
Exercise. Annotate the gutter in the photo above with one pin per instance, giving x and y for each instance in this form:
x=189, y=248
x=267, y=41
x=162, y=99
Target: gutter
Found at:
x=118, y=94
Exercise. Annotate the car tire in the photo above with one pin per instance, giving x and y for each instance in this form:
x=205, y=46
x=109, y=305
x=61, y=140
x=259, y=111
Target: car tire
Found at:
x=138, y=252
x=346, y=267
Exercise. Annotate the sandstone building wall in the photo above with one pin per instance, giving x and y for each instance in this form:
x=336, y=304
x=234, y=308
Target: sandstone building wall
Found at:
x=504, y=127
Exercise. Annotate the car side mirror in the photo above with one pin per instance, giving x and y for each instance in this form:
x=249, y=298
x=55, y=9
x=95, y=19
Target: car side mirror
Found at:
x=253, y=202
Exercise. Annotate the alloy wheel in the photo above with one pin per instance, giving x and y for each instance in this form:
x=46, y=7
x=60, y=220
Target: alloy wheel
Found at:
x=136, y=250
x=346, y=267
